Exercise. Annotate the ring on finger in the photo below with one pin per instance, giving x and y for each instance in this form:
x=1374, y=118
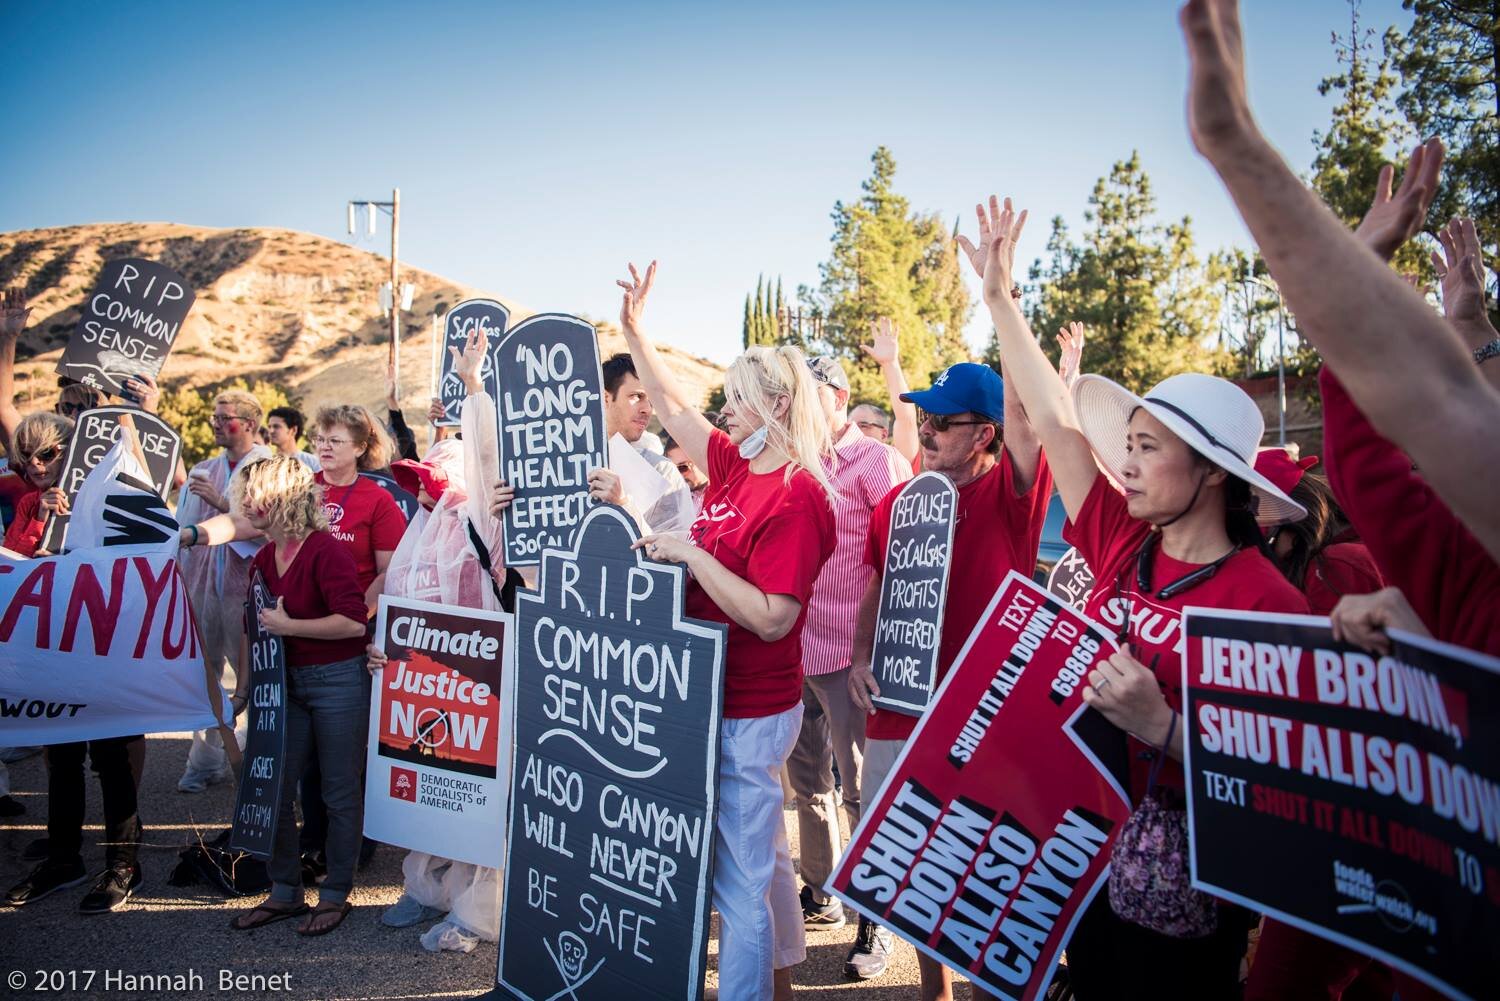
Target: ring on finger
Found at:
x=1099, y=688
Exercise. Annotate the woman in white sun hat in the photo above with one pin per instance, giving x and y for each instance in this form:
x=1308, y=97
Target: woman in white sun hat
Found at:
x=1180, y=529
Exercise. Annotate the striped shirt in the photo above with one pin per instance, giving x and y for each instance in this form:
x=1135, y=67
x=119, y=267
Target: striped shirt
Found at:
x=867, y=470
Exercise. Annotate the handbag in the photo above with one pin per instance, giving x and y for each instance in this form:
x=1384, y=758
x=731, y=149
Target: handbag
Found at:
x=1149, y=881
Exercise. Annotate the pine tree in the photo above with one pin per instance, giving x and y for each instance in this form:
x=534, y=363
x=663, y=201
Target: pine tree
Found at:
x=747, y=333
x=887, y=260
x=760, y=310
x=1448, y=62
x=1365, y=133
x=1151, y=306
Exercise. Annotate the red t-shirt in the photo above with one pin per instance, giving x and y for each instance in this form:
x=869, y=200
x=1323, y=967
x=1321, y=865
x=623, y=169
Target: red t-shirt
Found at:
x=1341, y=568
x=1110, y=539
x=24, y=533
x=776, y=535
x=320, y=582
x=365, y=519
x=996, y=532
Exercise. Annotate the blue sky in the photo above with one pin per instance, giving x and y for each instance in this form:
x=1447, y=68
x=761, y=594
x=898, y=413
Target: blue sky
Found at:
x=540, y=147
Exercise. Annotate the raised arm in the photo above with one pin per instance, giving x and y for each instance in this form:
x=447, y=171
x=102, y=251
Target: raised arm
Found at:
x=1405, y=369
x=680, y=416
x=1461, y=270
x=1031, y=381
x=885, y=348
x=13, y=314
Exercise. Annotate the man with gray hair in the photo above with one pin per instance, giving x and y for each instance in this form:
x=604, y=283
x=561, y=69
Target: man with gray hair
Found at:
x=832, y=729
x=871, y=421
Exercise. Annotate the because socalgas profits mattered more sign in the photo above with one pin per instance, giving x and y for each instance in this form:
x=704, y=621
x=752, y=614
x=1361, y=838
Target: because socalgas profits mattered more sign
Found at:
x=258, y=802
x=551, y=414
x=438, y=762
x=614, y=785
x=485, y=314
x=94, y=435
x=1354, y=796
x=128, y=326
x=993, y=830
x=913, y=593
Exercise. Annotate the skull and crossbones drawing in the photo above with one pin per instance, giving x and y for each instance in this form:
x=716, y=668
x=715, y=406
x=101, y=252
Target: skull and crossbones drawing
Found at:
x=569, y=957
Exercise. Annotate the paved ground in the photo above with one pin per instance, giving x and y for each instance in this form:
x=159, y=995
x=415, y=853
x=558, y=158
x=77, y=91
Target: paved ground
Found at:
x=170, y=930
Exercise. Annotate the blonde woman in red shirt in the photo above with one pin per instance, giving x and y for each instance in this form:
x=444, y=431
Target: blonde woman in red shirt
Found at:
x=757, y=546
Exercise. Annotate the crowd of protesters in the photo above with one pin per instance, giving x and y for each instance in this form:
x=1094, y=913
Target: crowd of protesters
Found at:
x=779, y=508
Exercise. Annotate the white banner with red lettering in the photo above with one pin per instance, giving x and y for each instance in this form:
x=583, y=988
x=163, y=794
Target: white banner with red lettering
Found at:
x=99, y=643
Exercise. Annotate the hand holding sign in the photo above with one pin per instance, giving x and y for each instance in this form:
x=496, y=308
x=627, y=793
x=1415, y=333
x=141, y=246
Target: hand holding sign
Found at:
x=53, y=501
x=1127, y=693
x=1367, y=619
x=606, y=486
x=274, y=620
x=863, y=690
x=128, y=326
x=666, y=548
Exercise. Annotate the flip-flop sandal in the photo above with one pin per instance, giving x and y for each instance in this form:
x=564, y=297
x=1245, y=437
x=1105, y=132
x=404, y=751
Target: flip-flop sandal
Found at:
x=273, y=915
x=342, y=910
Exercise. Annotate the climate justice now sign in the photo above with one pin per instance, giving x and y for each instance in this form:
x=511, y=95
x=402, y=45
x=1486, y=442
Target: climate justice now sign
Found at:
x=438, y=754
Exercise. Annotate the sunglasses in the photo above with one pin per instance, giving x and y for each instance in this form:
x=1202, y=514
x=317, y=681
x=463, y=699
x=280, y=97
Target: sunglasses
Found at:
x=684, y=467
x=71, y=409
x=43, y=456
x=942, y=422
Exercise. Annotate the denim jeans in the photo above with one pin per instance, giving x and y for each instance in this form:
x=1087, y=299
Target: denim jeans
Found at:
x=327, y=713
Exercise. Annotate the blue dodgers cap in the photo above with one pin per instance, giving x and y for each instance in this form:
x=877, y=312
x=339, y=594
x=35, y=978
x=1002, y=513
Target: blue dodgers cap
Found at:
x=965, y=387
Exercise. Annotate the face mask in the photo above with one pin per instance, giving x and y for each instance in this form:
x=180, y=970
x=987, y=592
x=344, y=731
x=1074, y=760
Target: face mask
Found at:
x=755, y=443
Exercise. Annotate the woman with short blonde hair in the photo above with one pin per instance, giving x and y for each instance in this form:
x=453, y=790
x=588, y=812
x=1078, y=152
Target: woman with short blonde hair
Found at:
x=361, y=515
x=320, y=613
x=41, y=447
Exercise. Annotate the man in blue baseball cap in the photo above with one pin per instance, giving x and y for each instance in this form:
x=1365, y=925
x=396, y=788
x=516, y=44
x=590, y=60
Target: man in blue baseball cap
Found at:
x=970, y=432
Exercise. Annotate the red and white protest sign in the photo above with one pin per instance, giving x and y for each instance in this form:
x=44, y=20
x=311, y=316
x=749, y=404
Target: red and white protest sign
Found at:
x=439, y=749
x=994, y=828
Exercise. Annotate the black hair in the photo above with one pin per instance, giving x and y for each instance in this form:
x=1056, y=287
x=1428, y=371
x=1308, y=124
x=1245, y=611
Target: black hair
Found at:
x=615, y=368
x=291, y=417
x=1240, y=503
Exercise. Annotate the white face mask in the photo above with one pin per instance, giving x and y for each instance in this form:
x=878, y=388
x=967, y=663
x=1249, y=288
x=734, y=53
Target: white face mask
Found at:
x=755, y=443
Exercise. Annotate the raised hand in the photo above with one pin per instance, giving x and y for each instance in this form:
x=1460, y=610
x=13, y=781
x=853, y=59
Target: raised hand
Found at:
x=1394, y=219
x=633, y=302
x=1219, y=117
x=436, y=411
x=1461, y=270
x=13, y=311
x=391, y=403
x=469, y=363
x=884, y=346
x=999, y=234
x=1070, y=340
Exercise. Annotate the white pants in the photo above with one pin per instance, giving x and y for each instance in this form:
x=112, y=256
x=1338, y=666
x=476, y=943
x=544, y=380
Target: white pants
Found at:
x=469, y=893
x=755, y=890
x=222, y=629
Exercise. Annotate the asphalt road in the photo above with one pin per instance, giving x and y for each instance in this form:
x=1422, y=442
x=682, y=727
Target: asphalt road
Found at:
x=166, y=930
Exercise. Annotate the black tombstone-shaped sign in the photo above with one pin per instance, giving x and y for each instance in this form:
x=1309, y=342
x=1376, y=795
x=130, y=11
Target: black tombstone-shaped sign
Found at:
x=1071, y=579
x=94, y=435
x=491, y=317
x=128, y=325
x=259, y=799
x=913, y=593
x=614, y=778
x=408, y=504
x=550, y=405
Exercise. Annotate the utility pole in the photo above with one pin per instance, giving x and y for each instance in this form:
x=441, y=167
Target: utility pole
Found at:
x=393, y=206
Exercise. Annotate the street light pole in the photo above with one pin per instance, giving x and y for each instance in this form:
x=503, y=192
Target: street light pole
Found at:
x=393, y=357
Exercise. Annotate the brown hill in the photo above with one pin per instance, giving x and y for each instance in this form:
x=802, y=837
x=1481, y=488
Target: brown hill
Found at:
x=274, y=304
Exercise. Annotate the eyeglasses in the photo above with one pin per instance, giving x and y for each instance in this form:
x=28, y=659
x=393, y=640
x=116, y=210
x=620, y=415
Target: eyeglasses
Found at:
x=69, y=409
x=43, y=456
x=942, y=422
x=319, y=439
x=870, y=425
x=684, y=467
x=218, y=421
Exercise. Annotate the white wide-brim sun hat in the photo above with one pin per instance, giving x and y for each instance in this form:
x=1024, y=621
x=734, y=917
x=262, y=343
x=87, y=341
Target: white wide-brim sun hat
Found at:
x=1216, y=418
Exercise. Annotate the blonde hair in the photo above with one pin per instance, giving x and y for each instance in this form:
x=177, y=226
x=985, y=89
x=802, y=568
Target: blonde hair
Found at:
x=41, y=430
x=752, y=385
x=244, y=405
x=363, y=429
x=285, y=489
